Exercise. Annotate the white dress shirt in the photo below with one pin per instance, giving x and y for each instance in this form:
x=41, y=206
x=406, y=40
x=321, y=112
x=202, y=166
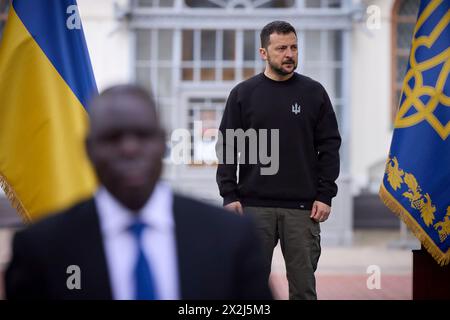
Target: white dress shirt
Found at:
x=158, y=243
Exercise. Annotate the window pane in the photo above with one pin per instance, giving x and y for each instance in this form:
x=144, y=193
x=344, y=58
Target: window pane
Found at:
x=202, y=4
x=208, y=45
x=404, y=35
x=313, y=72
x=209, y=112
x=3, y=16
x=406, y=14
x=248, y=73
x=145, y=3
x=165, y=45
x=228, y=74
x=334, y=3
x=330, y=81
x=156, y=3
x=164, y=82
x=402, y=64
x=196, y=100
x=338, y=110
x=229, y=39
x=165, y=109
x=143, y=44
x=398, y=95
x=323, y=3
x=166, y=3
x=312, y=46
x=208, y=74
x=409, y=8
x=188, y=74
x=188, y=45
x=338, y=83
x=219, y=101
x=249, y=45
x=2, y=25
x=278, y=4
x=312, y=3
x=334, y=39
x=4, y=4
x=260, y=66
x=208, y=117
x=143, y=77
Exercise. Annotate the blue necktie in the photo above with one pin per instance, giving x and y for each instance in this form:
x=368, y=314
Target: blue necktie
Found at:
x=144, y=286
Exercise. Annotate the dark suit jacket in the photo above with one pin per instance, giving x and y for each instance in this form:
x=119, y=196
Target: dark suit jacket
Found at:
x=218, y=255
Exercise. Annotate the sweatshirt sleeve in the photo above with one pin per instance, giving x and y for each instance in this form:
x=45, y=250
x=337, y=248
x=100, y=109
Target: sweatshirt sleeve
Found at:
x=327, y=142
x=226, y=150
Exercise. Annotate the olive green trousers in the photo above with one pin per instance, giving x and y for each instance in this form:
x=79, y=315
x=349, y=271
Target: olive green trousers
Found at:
x=299, y=238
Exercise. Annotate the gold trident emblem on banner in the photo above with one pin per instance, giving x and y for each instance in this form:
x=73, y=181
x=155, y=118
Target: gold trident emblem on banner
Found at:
x=436, y=94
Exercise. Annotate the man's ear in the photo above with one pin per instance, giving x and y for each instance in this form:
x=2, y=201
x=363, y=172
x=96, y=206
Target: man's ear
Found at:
x=263, y=53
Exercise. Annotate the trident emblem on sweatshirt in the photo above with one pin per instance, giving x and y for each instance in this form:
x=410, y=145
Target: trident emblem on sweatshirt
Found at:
x=296, y=108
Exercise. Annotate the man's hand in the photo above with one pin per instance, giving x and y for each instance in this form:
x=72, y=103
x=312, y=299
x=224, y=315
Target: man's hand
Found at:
x=235, y=207
x=320, y=211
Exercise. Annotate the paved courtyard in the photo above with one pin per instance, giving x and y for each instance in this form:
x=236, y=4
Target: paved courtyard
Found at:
x=343, y=271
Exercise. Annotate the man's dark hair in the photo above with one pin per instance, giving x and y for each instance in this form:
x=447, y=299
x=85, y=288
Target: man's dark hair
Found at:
x=281, y=27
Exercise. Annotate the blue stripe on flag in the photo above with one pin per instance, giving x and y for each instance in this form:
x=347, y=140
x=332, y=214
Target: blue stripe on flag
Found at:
x=65, y=48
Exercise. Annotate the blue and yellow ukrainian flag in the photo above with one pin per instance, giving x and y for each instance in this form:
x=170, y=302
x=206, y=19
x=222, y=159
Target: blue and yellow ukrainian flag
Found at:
x=46, y=80
x=416, y=184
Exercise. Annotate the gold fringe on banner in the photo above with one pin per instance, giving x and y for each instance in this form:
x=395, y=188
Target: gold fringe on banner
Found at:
x=14, y=199
x=441, y=258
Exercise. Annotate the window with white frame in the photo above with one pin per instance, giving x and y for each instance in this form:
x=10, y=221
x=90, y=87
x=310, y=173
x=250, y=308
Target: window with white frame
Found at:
x=220, y=56
x=212, y=55
x=154, y=60
x=154, y=68
x=322, y=60
x=204, y=116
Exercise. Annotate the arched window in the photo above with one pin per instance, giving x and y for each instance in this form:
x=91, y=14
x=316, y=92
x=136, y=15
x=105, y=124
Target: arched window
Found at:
x=404, y=17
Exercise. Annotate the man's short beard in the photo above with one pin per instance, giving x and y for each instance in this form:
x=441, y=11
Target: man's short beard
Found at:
x=279, y=70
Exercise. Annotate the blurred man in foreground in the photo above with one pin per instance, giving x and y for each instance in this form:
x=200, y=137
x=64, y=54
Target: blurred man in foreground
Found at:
x=135, y=239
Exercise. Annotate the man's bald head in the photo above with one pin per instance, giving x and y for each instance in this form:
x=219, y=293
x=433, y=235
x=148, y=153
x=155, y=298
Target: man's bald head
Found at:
x=126, y=143
x=115, y=98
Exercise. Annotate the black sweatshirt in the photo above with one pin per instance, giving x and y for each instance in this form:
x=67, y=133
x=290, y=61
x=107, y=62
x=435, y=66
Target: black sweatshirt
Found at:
x=309, y=143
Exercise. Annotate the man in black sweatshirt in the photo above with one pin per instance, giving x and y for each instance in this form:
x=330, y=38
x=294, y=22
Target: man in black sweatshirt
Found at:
x=289, y=116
